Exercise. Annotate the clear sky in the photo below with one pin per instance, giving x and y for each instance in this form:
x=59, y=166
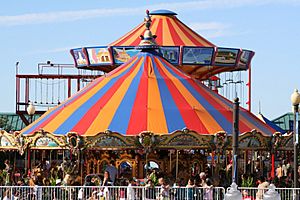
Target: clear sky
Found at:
x=34, y=31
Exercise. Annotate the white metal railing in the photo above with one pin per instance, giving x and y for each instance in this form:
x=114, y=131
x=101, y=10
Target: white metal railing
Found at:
x=133, y=193
x=110, y=193
x=285, y=193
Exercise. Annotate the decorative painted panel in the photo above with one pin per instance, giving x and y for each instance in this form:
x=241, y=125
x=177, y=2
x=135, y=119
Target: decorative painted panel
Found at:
x=45, y=141
x=106, y=141
x=249, y=142
x=5, y=142
x=184, y=140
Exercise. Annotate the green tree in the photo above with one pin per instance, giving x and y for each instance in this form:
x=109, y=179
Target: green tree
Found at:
x=4, y=124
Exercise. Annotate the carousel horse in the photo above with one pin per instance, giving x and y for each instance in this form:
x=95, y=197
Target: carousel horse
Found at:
x=36, y=175
x=71, y=168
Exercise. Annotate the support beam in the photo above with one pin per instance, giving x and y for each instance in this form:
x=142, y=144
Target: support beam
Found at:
x=24, y=119
x=235, y=143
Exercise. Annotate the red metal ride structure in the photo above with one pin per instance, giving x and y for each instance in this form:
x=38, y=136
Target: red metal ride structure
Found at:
x=53, y=84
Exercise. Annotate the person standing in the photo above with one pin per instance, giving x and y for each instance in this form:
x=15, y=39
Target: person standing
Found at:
x=113, y=171
x=150, y=190
x=164, y=193
x=131, y=189
x=208, y=192
x=246, y=195
x=177, y=191
x=6, y=195
x=190, y=189
x=203, y=179
x=7, y=169
x=106, y=179
x=284, y=169
x=279, y=172
x=262, y=187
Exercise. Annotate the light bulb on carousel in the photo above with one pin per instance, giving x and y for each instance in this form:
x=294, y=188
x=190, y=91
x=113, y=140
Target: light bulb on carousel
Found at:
x=30, y=111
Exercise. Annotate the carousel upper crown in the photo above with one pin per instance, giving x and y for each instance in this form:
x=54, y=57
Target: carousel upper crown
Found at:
x=148, y=39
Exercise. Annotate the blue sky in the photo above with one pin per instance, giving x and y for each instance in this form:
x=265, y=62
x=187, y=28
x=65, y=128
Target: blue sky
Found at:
x=35, y=31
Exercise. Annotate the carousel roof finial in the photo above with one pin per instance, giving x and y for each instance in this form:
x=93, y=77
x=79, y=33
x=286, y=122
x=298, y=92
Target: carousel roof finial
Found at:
x=147, y=20
x=147, y=40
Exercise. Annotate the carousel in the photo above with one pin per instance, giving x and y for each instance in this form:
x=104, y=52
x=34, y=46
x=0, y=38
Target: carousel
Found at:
x=149, y=111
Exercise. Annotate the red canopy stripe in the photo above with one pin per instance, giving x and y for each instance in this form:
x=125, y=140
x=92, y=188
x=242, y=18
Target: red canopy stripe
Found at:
x=159, y=31
x=138, y=119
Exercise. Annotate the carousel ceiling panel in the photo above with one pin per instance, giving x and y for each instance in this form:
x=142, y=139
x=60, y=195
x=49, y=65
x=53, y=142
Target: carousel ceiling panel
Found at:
x=145, y=94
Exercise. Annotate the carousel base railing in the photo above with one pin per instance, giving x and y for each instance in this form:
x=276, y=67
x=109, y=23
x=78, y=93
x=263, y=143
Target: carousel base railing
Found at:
x=285, y=193
x=110, y=193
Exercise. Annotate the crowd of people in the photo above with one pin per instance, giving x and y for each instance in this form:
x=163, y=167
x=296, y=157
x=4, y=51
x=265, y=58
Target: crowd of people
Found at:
x=156, y=183
x=43, y=174
x=156, y=187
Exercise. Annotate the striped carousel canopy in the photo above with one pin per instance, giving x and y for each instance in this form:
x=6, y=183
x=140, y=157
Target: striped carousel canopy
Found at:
x=169, y=29
x=145, y=94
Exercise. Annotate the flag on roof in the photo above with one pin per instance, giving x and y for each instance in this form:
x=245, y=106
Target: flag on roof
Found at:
x=270, y=123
